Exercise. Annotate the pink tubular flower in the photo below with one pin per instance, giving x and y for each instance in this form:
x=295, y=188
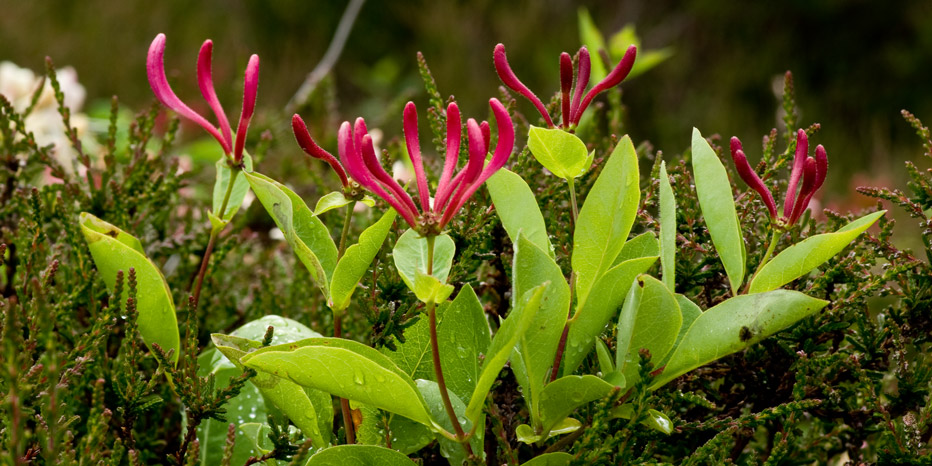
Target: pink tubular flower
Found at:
x=572, y=106
x=358, y=156
x=303, y=136
x=811, y=170
x=155, y=68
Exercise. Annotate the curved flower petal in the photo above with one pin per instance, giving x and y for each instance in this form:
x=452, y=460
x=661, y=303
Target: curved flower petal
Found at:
x=750, y=177
x=206, y=84
x=414, y=151
x=468, y=175
x=250, y=90
x=155, y=68
x=454, y=134
x=613, y=79
x=508, y=77
x=398, y=199
x=303, y=136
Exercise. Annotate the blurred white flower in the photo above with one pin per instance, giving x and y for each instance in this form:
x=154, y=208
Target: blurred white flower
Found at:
x=18, y=85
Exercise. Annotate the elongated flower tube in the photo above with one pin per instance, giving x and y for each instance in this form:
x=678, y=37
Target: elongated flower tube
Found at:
x=155, y=68
x=303, y=136
x=573, y=103
x=358, y=156
x=811, y=171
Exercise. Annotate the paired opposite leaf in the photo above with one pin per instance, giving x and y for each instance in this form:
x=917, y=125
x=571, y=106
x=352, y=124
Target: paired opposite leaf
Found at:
x=800, y=258
x=240, y=188
x=335, y=200
x=347, y=369
x=651, y=320
x=114, y=250
x=305, y=233
x=517, y=208
x=667, y=228
x=718, y=208
x=735, y=324
x=410, y=256
x=356, y=260
x=606, y=218
x=563, y=153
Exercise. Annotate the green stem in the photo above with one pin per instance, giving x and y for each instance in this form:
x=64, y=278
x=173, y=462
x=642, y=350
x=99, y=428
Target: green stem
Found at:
x=773, y=245
x=438, y=372
x=346, y=228
x=572, y=185
x=214, y=233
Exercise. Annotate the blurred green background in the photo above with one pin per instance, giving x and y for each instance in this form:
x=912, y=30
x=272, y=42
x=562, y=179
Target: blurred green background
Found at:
x=857, y=63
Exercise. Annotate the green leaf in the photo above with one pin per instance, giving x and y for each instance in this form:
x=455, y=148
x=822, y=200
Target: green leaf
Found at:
x=735, y=324
x=430, y=290
x=550, y=459
x=114, y=250
x=718, y=208
x=511, y=330
x=305, y=233
x=358, y=455
x=257, y=435
x=562, y=396
x=312, y=418
x=450, y=449
x=534, y=354
x=800, y=258
x=517, y=208
x=347, y=369
x=407, y=435
x=240, y=187
x=608, y=294
x=335, y=200
x=659, y=421
x=413, y=356
x=643, y=245
x=410, y=255
x=356, y=260
x=526, y=434
x=563, y=153
x=667, y=229
x=606, y=361
x=463, y=335
x=690, y=311
x=650, y=319
x=606, y=218
x=592, y=38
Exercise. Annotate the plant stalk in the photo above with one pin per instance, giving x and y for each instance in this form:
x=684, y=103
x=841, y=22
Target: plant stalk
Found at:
x=575, y=212
x=348, y=427
x=346, y=228
x=773, y=245
x=438, y=372
x=561, y=345
x=430, y=254
x=214, y=233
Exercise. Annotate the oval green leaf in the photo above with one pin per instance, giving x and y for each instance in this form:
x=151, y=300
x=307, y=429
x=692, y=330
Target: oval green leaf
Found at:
x=606, y=218
x=735, y=324
x=347, y=369
x=517, y=208
x=240, y=187
x=800, y=258
x=563, y=153
x=718, y=208
x=650, y=319
x=562, y=396
x=335, y=200
x=450, y=449
x=410, y=255
x=356, y=260
x=305, y=233
x=667, y=228
x=550, y=459
x=358, y=455
x=643, y=245
x=115, y=250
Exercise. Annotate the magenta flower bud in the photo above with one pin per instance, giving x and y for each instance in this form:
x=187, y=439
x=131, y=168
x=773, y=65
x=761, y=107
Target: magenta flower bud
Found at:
x=250, y=91
x=307, y=144
x=508, y=77
x=583, y=68
x=614, y=78
x=821, y=169
x=206, y=85
x=750, y=177
x=566, y=83
x=799, y=163
x=808, y=188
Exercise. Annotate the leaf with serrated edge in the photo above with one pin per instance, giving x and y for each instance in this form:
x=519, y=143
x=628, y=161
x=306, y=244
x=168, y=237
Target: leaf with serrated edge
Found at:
x=517, y=208
x=356, y=260
x=718, y=208
x=735, y=324
x=605, y=218
x=114, y=250
x=800, y=258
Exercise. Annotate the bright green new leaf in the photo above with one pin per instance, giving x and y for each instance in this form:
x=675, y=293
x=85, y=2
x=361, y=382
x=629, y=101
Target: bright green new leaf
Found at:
x=667, y=228
x=650, y=319
x=533, y=357
x=643, y=245
x=550, y=459
x=563, y=153
x=240, y=187
x=800, y=258
x=607, y=295
x=525, y=433
x=430, y=290
x=511, y=330
x=356, y=260
x=335, y=200
x=735, y=324
x=562, y=396
x=718, y=207
x=347, y=369
x=606, y=218
x=115, y=250
x=410, y=255
x=305, y=233
x=659, y=421
x=450, y=449
x=517, y=208
x=358, y=455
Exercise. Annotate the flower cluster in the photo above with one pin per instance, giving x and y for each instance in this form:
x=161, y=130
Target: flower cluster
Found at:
x=357, y=154
x=811, y=170
x=573, y=107
x=155, y=68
